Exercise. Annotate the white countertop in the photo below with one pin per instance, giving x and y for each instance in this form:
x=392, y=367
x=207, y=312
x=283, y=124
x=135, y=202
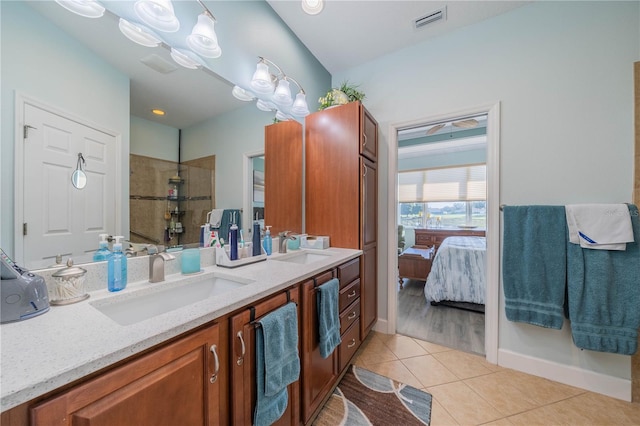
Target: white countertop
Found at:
x=41, y=354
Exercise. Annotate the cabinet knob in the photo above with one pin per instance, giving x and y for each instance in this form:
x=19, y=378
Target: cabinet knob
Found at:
x=216, y=364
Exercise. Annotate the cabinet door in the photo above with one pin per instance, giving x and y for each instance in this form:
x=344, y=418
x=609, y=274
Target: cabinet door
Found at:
x=318, y=374
x=369, y=142
x=176, y=384
x=283, y=176
x=369, y=291
x=369, y=202
x=243, y=362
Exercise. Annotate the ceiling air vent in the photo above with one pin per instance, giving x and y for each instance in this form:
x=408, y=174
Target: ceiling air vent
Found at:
x=438, y=15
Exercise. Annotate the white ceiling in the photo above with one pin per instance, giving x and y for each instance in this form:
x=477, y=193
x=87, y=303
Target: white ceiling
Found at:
x=344, y=35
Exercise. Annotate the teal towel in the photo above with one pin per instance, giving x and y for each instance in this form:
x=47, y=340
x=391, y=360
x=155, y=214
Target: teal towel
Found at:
x=226, y=222
x=328, y=317
x=277, y=362
x=534, y=264
x=604, y=295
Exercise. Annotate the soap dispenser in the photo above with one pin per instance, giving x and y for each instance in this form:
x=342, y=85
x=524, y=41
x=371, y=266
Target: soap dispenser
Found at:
x=255, y=238
x=267, y=242
x=103, y=251
x=117, y=267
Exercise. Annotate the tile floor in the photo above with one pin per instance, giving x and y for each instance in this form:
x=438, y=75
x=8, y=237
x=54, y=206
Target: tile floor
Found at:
x=467, y=390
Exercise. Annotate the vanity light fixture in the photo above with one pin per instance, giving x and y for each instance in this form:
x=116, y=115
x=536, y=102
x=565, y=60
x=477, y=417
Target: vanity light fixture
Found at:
x=242, y=94
x=274, y=91
x=183, y=58
x=312, y=7
x=138, y=34
x=86, y=8
x=203, y=39
x=158, y=14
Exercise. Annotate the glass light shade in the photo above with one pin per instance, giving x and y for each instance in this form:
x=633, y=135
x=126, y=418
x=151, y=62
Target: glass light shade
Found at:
x=312, y=7
x=261, y=82
x=203, y=39
x=266, y=105
x=86, y=8
x=158, y=14
x=300, y=107
x=282, y=116
x=138, y=34
x=242, y=94
x=183, y=59
x=282, y=95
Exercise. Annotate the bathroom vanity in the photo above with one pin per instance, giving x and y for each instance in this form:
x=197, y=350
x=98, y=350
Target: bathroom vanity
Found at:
x=191, y=363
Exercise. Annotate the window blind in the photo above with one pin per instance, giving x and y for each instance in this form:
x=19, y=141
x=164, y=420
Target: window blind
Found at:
x=460, y=183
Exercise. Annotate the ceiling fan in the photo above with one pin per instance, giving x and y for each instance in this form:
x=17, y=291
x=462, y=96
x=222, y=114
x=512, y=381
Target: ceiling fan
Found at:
x=469, y=123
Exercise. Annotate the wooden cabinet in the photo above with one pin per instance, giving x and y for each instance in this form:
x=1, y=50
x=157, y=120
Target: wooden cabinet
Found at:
x=433, y=237
x=283, y=176
x=243, y=362
x=183, y=382
x=341, y=190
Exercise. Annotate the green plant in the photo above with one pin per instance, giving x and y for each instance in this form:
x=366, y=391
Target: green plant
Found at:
x=342, y=95
x=352, y=92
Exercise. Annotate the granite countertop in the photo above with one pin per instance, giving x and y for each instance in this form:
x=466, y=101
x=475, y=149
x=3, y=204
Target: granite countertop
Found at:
x=69, y=342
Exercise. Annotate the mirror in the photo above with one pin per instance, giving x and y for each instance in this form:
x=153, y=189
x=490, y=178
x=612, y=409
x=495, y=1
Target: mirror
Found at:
x=79, y=179
x=94, y=84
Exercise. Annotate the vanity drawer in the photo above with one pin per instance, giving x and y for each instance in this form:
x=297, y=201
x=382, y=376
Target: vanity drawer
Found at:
x=349, y=293
x=349, y=316
x=350, y=344
x=349, y=271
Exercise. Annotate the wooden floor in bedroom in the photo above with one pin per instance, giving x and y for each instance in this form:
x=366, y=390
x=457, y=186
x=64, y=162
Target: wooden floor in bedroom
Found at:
x=454, y=328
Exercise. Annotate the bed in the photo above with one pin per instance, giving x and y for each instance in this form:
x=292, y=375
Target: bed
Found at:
x=458, y=271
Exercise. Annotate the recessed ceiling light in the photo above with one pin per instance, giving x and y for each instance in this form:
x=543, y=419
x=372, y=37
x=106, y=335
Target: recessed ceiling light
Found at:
x=158, y=111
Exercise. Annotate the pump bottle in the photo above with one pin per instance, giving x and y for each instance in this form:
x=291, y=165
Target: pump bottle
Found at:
x=255, y=238
x=267, y=241
x=103, y=251
x=117, y=267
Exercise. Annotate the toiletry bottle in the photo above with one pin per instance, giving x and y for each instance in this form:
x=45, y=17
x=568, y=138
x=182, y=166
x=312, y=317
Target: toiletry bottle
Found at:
x=117, y=267
x=255, y=239
x=267, y=240
x=233, y=242
x=103, y=251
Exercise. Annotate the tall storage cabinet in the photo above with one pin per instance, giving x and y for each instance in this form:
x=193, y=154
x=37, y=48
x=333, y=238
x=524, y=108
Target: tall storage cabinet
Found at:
x=341, y=150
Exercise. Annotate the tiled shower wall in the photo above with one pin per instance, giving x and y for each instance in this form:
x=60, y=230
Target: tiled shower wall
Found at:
x=151, y=208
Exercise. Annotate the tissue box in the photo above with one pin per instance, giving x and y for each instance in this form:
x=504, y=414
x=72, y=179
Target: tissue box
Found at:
x=314, y=242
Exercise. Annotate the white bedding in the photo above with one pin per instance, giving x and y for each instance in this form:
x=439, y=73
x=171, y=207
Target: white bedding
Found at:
x=458, y=271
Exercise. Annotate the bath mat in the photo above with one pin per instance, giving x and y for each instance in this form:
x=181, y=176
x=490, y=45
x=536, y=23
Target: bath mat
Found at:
x=366, y=398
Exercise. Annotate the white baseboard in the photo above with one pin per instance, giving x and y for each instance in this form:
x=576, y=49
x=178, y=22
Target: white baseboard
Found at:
x=614, y=387
x=382, y=326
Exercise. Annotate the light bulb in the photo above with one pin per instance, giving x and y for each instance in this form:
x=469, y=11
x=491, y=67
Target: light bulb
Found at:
x=312, y=7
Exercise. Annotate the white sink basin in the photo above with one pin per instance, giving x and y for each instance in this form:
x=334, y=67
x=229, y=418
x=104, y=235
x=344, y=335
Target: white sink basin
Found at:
x=150, y=302
x=302, y=258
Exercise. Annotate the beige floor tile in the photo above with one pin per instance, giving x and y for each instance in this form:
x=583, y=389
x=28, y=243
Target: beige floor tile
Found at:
x=501, y=422
x=396, y=370
x=463, y=404
x=375, y=351
x=541, y=391
x=440, y=416
x=405, y=347
x=432, y=348
x=429, y=370
x=501, y=393
x=462, y=364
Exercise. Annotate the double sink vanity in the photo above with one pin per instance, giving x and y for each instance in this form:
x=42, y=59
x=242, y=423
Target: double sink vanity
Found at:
x=186, y=344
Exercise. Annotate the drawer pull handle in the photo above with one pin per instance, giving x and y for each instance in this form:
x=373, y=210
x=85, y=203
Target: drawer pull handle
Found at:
x=240, y=359
x=350, y=295
x=352, y=316
x=352, y=343
x=364, y=140
x=216, y=364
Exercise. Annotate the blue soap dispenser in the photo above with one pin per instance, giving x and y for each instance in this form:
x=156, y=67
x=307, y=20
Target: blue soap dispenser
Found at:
x=103, y=251
x=117, y=267
x=267, y=242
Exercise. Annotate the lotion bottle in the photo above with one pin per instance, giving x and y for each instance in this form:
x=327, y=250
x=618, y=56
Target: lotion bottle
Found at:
x=267, y=242
x=255, y=239
x=117, y=267
x=233, y=242
x=103, y=251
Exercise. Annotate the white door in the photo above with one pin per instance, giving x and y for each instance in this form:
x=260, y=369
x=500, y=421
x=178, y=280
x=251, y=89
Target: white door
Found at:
x=59, y=218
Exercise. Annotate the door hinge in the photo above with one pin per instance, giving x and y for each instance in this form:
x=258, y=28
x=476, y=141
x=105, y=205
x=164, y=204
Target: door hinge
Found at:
x=24, y=228
x=26, y=128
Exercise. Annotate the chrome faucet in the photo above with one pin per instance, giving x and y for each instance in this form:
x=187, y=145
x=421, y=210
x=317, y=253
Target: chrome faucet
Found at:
x=156, y=266
x=283, y=237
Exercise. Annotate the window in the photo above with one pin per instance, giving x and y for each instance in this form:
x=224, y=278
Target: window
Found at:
x=443, y=197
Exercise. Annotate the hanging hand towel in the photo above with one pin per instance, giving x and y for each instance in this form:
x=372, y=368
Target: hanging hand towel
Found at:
x=599, y=226
x=534, y=264
x=215, y=217
x=328, y=317
x=604, y=295
x=277, y=362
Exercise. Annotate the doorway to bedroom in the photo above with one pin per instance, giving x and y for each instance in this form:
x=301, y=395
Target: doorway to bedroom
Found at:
x=442, y=223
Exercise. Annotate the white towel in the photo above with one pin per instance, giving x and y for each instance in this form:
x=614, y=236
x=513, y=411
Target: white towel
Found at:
x=599, y=226
x=215, y=217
